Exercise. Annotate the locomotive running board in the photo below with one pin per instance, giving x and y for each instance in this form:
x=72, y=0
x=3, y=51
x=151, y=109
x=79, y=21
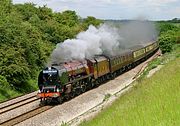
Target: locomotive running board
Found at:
x=76, y=80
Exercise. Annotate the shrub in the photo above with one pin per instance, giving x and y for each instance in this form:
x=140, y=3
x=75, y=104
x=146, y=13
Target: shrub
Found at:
x=3, y=82
x=166, y=41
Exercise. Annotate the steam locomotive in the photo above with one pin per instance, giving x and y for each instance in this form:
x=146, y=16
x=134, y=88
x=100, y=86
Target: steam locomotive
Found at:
x=69, y=79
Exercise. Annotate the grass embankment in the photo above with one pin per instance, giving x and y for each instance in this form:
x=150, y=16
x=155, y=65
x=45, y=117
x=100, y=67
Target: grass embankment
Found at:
x=7, y=92
x=154, y=101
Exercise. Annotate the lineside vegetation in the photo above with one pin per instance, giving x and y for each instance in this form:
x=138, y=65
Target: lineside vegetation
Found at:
x=152, y=101
x=28, y=34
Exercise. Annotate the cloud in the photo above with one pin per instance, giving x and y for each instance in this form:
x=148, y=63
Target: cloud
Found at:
x=114, y=9
x=162, y=1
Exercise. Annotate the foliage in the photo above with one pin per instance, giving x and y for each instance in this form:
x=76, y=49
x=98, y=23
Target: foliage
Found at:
x=153, y=101
x=175, y=20
x=106, y=97
x=166, y=41
x=28, y=35
x=91, y=21
x=164, y=27
x=64, y=124
x=6, y=91
x=163, y=60
x=169, y=35
x=3, y=82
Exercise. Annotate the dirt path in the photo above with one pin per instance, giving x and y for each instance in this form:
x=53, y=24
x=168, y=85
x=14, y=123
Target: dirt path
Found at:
x=87, y=104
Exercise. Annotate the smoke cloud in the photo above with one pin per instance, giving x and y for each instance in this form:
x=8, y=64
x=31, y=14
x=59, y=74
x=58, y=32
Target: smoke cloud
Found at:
x=106, y=39
x=137, y=32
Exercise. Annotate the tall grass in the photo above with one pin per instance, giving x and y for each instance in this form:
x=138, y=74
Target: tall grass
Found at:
x=154, y=101
x=7, y=92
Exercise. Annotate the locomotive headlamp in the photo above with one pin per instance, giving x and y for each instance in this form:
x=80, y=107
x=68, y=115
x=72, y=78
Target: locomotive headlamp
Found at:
x=49, y=68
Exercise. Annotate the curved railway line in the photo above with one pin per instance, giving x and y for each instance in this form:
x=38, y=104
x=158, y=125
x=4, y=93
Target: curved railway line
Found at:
x=33, y=112
x=2, y=102
x=17, y=104
x=25, y=116
x=16, y=100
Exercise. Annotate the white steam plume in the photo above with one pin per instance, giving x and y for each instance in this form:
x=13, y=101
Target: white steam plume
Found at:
x=137, y=32
x=92, y=42
x=103, y=40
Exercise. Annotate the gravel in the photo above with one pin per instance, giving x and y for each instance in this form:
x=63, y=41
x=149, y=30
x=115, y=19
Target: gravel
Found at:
x=77, y=109
x=17, y=105
x=18, y=111
x=7, y=103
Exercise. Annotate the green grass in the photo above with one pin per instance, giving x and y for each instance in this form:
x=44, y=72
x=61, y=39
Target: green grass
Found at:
x=164, y=59
x=153, y=101
x=176, y=24
x=7, y=92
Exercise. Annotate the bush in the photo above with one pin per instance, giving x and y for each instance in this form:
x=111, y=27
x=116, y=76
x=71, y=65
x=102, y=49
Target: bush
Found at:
x=169, y=35
x=28, y=35
x=165, y=27
x=3, y=82
x=166, y=41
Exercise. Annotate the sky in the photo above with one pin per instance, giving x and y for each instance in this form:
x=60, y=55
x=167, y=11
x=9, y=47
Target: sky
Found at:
x=115, y=9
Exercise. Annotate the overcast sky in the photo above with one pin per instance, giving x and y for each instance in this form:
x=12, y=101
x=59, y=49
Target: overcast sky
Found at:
x=115, y=9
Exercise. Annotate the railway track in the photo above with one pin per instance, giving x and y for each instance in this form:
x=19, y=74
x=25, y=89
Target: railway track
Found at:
x=31, y=113
x=8, y=107
x=15, y=98
x=25, y=116
x=17, y=104
x=96, y=109
x=146, y=63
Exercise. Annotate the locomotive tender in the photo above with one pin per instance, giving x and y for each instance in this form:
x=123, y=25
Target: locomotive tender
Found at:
x=65, y=80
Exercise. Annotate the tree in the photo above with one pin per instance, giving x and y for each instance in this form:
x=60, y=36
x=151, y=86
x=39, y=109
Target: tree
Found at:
x=168, y=37
x=26, y=10
x=68, y=18
x=13, y=66
x=164, y=27
x=28, y=35
x=90, y=20
x=5, y=7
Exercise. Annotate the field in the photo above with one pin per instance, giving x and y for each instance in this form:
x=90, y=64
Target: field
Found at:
x=153, y=101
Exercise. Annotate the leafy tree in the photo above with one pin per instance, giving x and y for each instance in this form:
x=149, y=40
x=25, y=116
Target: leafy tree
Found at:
x=26, y=10
x=45, y=13
x=13, y=66
x=90, y=20
x=3, y=82
x=5, y=7
x=68, y=18
x=165, y=43
x=28, y=35
x=175, y=20
x=164, y=27
x=169, y=35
